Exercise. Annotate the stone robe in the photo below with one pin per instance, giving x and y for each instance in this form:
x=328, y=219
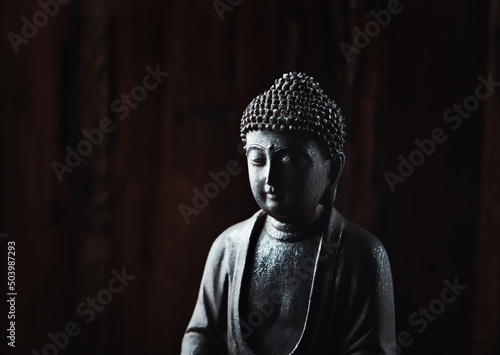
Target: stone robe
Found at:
x=350, y=308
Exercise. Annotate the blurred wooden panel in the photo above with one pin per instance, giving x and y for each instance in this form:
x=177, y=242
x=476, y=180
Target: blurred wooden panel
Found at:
x=120, y=206
x=487, y=307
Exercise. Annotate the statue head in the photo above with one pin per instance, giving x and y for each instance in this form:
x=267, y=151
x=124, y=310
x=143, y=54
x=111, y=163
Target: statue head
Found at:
x=294, y=138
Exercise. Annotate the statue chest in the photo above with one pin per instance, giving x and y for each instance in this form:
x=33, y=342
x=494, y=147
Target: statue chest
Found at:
x=275, y=291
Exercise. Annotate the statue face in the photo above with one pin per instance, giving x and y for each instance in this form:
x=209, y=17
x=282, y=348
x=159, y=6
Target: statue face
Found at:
x=288, y=174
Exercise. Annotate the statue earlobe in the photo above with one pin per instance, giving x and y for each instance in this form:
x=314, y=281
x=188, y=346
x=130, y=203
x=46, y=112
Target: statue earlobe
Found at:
x=336, y=167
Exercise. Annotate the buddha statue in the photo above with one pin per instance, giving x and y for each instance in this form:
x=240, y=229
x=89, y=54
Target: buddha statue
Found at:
x=296, y=277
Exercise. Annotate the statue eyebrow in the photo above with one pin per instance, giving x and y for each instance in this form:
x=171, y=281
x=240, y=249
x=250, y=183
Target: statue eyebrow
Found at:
x=253, y=146
x=279, y=150
x=293, y=150
x=248, y=146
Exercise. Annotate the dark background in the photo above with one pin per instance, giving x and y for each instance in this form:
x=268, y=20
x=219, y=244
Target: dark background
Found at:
x=119, y=207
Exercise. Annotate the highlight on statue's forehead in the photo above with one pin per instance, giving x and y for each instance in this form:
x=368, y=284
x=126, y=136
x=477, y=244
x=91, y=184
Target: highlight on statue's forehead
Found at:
x=296, y=103
x=291, y=142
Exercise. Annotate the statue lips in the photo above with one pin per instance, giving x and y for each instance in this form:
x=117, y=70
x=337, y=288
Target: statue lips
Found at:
x=271, y=194
x=273, y=197
x=275, y=201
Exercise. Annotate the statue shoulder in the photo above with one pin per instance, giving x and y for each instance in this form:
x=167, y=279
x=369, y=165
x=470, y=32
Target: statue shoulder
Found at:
x=363, y=258
x=360, y=245
x=360, y=237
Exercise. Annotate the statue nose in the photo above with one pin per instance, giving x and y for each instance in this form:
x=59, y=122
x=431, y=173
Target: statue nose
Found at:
x=268, y=189
x=271, y=175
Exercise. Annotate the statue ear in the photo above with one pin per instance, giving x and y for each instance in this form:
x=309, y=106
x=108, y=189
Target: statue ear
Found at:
x=336, y=167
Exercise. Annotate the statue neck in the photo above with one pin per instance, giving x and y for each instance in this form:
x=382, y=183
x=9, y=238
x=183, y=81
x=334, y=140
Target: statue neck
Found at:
x=295, y=231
